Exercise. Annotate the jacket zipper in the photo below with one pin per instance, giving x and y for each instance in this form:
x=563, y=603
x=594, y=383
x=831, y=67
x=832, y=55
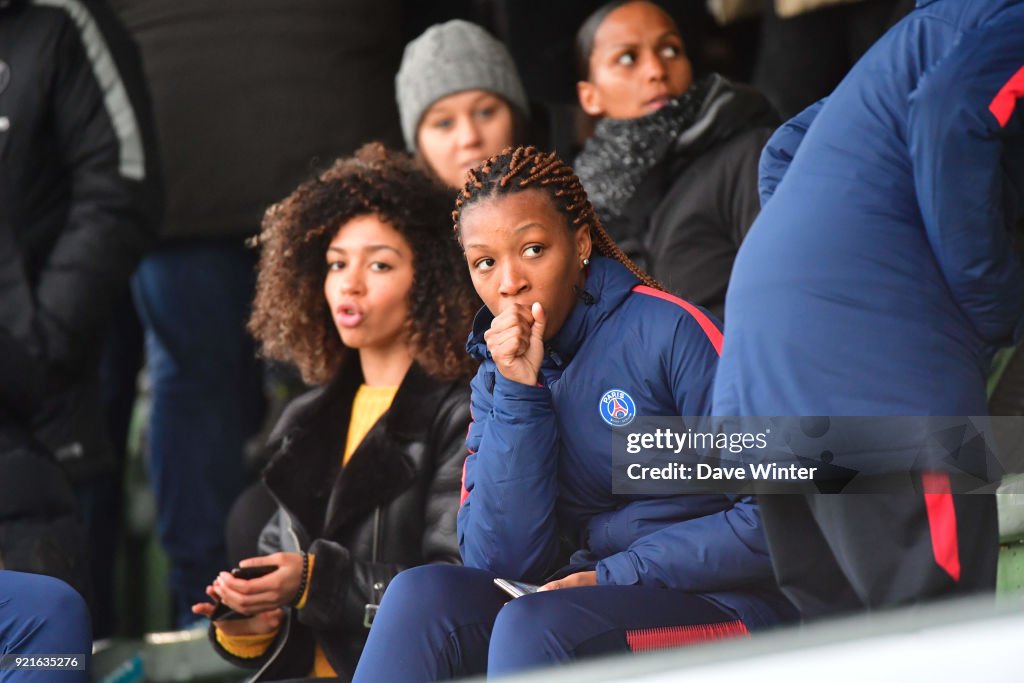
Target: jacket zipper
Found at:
x=378, y=586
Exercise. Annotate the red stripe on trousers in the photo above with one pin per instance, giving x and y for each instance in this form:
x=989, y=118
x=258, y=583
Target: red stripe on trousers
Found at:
x=713, y=333
x=673, y=636
x=1005, y=101
x=942, y=522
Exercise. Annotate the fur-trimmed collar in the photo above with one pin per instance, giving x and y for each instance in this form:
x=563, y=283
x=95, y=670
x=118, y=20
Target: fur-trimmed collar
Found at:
x=309, y=441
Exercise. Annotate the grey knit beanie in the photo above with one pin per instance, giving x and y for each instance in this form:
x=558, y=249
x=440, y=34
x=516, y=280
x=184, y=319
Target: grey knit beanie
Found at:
x=450, y=58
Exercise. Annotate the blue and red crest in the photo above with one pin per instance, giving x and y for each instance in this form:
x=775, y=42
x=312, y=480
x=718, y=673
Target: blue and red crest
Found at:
x=617, y=408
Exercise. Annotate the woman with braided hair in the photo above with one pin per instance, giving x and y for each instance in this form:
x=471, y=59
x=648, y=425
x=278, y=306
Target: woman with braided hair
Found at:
x=573, y=341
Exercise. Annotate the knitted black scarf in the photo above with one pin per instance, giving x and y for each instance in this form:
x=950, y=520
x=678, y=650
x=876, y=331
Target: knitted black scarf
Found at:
x=621, y=153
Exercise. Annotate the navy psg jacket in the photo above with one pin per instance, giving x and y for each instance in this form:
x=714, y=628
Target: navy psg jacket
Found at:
x=882, y=272
x=540, y=464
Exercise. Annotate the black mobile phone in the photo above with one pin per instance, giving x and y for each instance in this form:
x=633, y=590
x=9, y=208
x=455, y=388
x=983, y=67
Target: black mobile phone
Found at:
x=516, y=589
x=222, y=612
x=247, y=573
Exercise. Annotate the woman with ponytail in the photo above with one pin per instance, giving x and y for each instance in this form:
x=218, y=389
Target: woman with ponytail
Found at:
x=671, y=167
x=574, y=340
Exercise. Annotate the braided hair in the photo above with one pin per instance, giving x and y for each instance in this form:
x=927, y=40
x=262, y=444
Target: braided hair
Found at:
x=523, y=168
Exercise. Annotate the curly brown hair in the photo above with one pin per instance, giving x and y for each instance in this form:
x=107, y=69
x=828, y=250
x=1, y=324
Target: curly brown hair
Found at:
x=291, y=319
x=516, y=169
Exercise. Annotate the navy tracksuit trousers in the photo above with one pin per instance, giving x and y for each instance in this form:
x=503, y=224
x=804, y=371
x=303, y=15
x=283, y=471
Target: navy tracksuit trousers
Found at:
x=438, y=622
x=851, y=552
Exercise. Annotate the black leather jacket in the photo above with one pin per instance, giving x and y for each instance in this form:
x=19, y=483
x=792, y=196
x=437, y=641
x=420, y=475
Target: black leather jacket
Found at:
x=392, y=507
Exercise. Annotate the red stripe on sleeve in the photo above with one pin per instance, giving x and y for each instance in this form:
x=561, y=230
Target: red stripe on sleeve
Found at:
x=942, y=522
x=1005, y=101
x=465, y=494
x=710, y=329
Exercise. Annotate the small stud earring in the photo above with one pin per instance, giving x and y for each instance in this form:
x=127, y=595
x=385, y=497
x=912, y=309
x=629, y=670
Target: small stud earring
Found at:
x=586, y=262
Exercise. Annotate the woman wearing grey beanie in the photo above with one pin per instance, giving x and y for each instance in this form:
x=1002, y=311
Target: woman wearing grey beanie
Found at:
x=459, y=98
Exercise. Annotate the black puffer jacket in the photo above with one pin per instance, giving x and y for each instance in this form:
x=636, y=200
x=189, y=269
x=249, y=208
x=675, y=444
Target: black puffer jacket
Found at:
x=79, y=202
x=392, y=507
x=677, y=189
x=39, y=528
x=705, y=211
x=250, y=95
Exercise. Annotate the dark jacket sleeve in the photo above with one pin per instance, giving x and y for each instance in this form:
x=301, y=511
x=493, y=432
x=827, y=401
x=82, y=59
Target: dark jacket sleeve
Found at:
x=341, y=586
x=742, y=201
x=103, y=128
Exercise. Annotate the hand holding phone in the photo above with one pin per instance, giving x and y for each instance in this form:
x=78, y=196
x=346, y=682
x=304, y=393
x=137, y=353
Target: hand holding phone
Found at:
x=248, y=573
x=516, y=589
x=262, y=623
x=221, y=612
x=281, y=588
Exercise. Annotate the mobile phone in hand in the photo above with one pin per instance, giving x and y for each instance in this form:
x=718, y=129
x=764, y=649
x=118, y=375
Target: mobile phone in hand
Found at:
x=248, y=573
x=516, y=589
x=222, y=612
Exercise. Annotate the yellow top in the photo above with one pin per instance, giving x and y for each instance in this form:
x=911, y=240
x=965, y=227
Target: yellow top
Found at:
x=246, y=647
x=367, y=407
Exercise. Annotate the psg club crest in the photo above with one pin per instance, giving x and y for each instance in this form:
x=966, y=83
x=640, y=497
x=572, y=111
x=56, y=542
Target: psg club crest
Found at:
x=617, y=408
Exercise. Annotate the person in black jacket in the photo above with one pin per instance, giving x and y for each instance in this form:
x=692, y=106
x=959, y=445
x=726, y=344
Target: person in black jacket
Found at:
x=362, y=285
x=80, y=200
x=249, y=95
x=671, y=168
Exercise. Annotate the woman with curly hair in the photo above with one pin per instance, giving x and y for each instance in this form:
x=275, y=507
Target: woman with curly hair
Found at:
x=362, y=287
